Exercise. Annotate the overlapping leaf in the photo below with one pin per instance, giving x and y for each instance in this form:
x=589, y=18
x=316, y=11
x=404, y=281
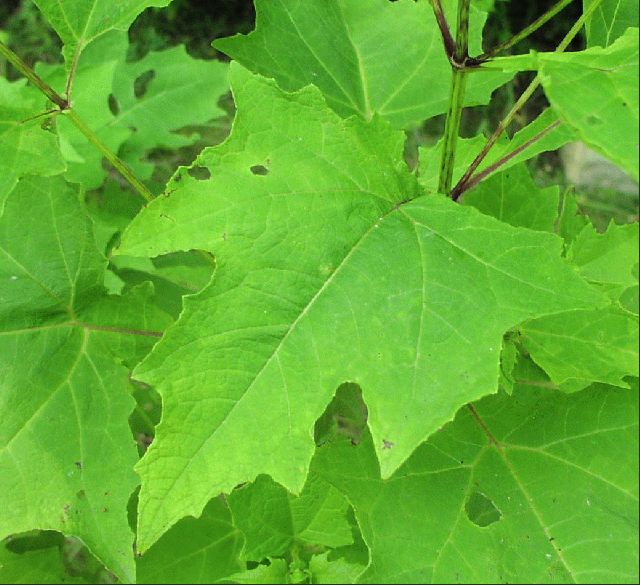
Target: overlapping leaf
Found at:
x=579, y=347
x=468, y=148
x=354, y=70
x=321, y=237
x=25, y=146
x=66, y=451
x=610, y=20
x=80, y=22
x=272, y=520
x=34, y=566
x=203, y=550
x=539, y=488
x=180, y=92
x=513, y=197
x=606, y=80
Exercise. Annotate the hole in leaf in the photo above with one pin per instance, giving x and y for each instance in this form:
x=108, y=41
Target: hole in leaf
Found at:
x=259, y=170
x=200, y=173
x=345, y=417
x=141, y=84
x=481, y=510
x=114, y=106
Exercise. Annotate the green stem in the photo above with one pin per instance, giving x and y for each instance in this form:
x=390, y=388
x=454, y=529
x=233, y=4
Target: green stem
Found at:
x=456, y=100
x=64, y=106
x=117, y=164
x=527, y=31
x=30, y=74
x=461, y=186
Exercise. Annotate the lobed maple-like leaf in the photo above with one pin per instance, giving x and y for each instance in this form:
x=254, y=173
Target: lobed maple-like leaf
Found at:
x=353, y=70
x=331, y=267
x=66, y=450
x=539, y=487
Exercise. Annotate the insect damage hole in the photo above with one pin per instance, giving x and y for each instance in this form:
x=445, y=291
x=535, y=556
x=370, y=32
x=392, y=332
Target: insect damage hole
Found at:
x=259, y=170
x=114, y=105
x=481, y=510
x=200, y=173
x=141, y=84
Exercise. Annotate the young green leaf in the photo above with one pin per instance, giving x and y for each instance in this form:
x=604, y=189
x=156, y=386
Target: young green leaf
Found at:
x=330, y=268
x=352, y=70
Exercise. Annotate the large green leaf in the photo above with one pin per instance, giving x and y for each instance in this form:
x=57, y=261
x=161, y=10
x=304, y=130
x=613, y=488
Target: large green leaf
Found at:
x=25, y=146
x=330, y=267
x=78, y=22
x=596, y=92
x=540, y=487
x=66, y=451
x=610, y=20
x=342, y=47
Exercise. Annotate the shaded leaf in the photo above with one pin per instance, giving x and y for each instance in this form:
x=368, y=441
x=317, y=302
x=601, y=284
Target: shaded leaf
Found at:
x=272, y=520
x=196, y=550
x=66, y=451
x=540, y=487
x=513, y=197
x=610, y=20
